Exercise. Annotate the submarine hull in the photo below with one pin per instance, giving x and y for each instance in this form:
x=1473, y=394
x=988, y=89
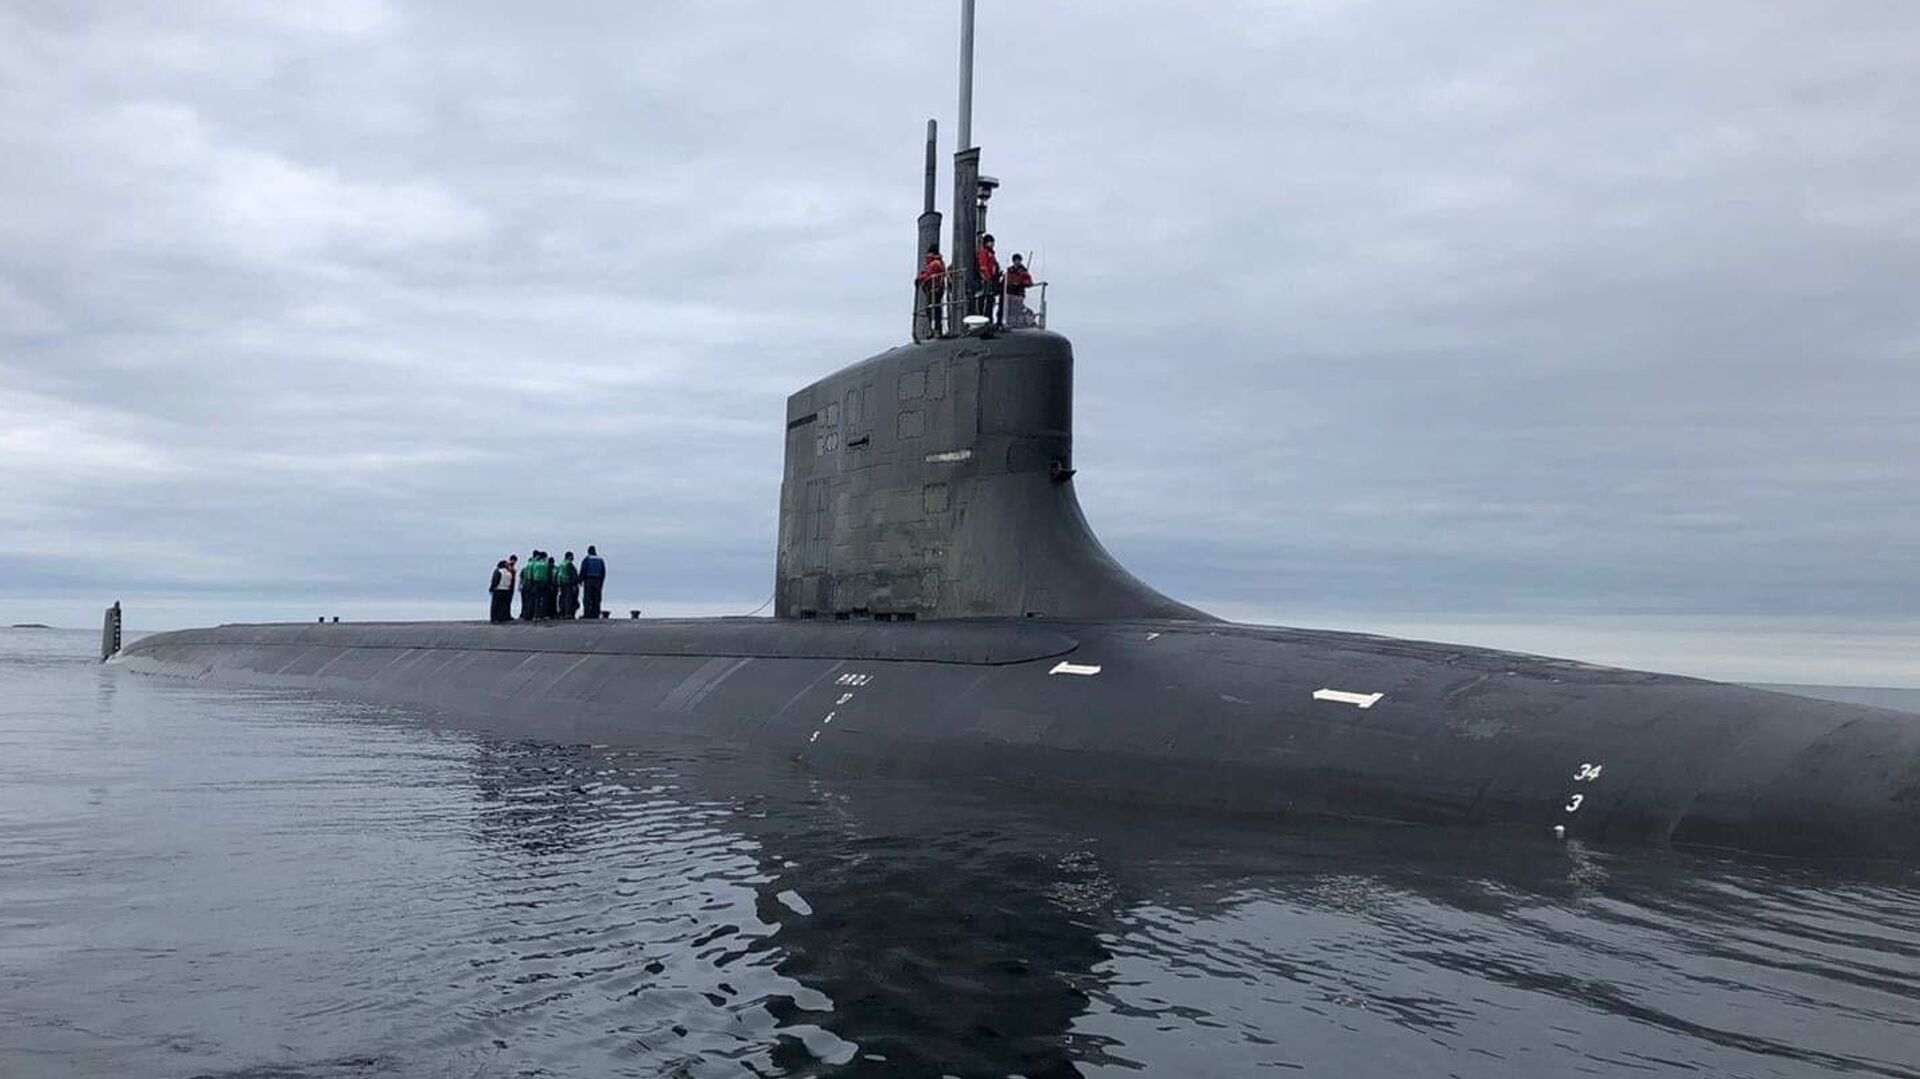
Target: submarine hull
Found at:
x=1281, y=723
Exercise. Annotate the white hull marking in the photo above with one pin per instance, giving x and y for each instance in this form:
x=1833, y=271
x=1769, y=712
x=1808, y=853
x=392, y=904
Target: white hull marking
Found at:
x=1063, y=667
x=1358, y=700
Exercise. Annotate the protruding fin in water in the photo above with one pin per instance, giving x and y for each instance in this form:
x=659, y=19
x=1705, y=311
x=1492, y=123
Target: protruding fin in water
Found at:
x=110, y=633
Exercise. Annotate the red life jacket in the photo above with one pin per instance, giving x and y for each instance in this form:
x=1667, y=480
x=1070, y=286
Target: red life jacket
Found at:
x=935, y=272
x=989, y=265
x=1017, y=280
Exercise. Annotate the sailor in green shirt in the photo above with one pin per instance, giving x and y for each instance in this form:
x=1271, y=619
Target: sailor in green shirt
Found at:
x=566, y=581
x=526, y=587
x=542, y=581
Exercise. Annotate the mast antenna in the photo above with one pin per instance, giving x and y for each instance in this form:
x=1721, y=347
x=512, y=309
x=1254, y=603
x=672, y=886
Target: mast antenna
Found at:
x=966, y=75
x=964, y=294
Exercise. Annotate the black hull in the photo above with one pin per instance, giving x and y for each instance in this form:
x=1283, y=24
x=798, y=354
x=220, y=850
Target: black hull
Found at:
x=1183, y=713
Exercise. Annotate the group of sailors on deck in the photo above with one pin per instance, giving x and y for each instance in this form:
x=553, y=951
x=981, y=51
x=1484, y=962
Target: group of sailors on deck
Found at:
x=548, y=589
x=1001, y=297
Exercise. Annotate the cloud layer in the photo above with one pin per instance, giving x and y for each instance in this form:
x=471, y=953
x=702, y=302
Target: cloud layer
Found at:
x=1473, y=309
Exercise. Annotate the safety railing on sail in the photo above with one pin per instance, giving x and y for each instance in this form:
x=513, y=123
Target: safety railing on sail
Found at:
x=939, y=312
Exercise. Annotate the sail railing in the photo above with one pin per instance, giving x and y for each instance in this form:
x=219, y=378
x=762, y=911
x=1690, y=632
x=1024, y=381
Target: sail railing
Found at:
x=935, y=310
x=939, y=311
x=1019, y=312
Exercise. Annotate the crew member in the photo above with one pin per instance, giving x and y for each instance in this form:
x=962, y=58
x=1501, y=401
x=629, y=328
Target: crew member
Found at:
x=989, y=264
x=933, y=290
x=566, y=582
x=528, y=605
x=501, y=591
x=542, y=569
x=1018, y=280
x=593, y=575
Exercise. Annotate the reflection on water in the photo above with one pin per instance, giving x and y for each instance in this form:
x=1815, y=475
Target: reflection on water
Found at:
x=254, y=883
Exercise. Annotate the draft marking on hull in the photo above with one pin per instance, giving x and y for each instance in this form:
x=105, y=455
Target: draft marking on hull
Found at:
x=1063, y=667
x=1358, y=700
x=850, y=679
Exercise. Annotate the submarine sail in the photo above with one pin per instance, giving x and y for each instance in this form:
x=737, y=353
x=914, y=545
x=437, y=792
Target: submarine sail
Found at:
x=936, y=481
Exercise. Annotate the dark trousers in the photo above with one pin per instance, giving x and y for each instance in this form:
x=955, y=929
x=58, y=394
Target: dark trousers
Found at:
x=933, y=303
x=569, y=600
x=527, y=606
x=592, y=586
x=502, y=606
x=984, y=300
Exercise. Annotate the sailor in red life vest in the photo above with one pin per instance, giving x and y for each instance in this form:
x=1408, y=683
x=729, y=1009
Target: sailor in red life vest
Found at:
x=1018, y=281
x=933, y=287
x=989, y=276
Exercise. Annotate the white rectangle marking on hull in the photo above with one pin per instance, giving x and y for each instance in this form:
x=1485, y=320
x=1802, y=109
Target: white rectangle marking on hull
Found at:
x=1063, y=667
x=1358, y=700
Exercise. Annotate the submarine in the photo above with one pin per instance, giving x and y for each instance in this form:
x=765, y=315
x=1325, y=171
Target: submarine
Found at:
x=943, y=610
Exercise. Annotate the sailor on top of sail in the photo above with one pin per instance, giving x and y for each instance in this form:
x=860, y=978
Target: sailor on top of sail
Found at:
x=989, y=264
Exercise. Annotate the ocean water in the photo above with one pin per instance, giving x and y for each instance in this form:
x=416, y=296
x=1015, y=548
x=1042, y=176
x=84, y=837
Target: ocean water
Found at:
x=199, y=881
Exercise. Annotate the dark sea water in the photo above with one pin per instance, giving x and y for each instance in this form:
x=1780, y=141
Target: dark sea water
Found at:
x=199, y=881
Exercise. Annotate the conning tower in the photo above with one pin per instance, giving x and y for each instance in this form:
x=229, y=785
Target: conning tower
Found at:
x=935, y=480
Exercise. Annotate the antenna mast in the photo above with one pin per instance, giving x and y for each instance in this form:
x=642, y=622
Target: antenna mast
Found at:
x=926, y=318
x=966, y=187
x=966, y=75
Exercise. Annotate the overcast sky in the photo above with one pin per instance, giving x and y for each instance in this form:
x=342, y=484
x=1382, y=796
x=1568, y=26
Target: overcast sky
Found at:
x=1409, y=315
